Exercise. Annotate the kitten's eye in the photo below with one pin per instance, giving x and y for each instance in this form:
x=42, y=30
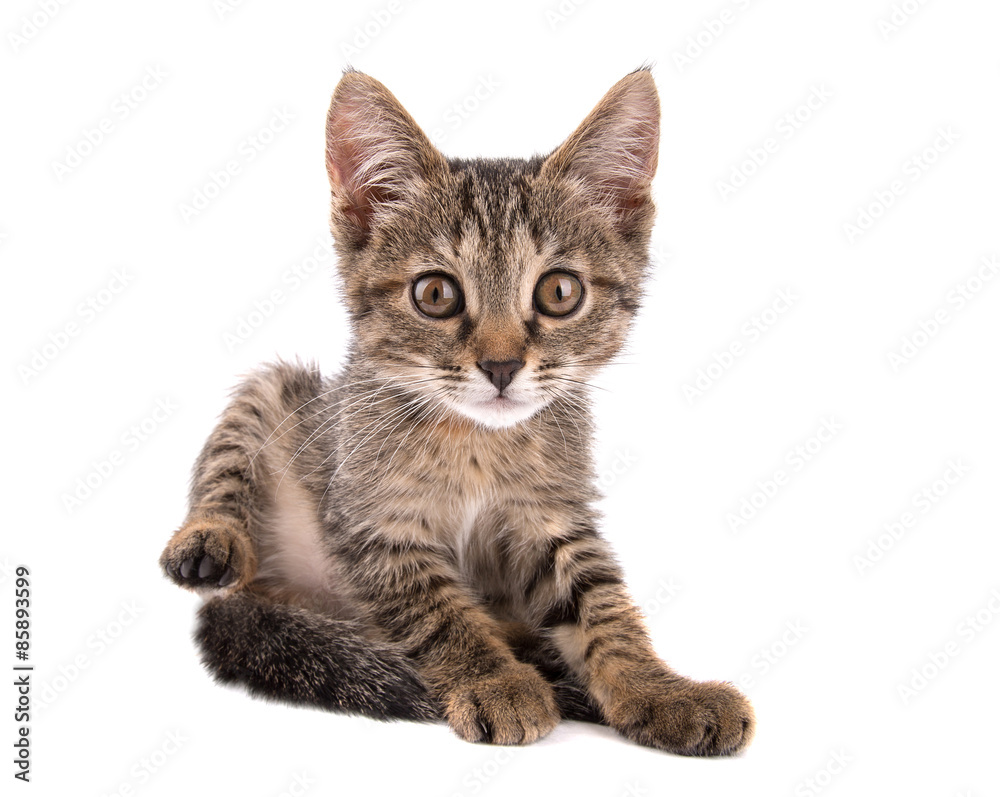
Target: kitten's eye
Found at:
x=558, y=293
x=437, y=296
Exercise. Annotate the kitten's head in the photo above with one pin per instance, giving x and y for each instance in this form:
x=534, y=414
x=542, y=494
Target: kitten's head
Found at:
x=491, y=287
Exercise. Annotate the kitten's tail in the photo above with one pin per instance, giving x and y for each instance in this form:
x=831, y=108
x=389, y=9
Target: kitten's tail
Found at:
x=294, y=655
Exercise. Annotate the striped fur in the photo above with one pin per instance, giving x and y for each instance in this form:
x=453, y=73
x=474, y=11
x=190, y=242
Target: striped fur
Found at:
x=402, y=540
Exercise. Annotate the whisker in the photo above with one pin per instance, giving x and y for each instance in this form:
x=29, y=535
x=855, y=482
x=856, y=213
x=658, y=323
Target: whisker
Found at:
x=304, y=420
x=573, y=401
x=404, y=411
x=329, y=422
x=555, y=417
x=306, y=404
x=577, y=382
x=428, y=398
x=381, y=422
x=323, y=426
x=412, y=427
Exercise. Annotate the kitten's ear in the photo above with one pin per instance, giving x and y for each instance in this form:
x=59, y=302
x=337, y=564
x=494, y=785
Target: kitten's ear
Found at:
x=376, y=155
x=612, y=154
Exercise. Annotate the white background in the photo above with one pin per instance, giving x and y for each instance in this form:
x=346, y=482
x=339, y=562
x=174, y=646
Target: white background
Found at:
x=781, y=604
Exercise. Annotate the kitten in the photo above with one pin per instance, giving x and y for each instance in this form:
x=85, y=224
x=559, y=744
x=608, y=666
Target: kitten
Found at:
x=416, y=537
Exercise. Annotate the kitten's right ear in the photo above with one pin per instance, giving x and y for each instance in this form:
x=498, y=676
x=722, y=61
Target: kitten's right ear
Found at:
x=376, y=156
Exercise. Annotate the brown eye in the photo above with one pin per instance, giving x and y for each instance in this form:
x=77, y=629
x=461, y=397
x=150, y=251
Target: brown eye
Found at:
x=558, y=293
x=437, y=296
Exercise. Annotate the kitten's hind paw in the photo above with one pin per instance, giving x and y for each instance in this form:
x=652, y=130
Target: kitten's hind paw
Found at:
x=210, y=552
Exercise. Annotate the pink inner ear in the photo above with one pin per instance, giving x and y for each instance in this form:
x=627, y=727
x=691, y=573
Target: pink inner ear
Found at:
x=370, y=158
x=343, y=162
x=344, y=154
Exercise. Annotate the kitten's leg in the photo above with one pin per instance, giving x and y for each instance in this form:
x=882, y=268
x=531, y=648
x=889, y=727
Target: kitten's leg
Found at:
x=412, y=592
x=574, y=701
x=601, y=635
x=277, y=651
x=215, y=545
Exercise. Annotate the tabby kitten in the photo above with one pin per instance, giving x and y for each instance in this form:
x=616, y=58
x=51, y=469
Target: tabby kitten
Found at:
x=416, y=537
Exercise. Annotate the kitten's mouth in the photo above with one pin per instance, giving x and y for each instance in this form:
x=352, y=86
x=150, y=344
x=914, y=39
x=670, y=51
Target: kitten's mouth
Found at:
x=499, y=405
x=498, y=401
x=498, y=411
x=504, y=403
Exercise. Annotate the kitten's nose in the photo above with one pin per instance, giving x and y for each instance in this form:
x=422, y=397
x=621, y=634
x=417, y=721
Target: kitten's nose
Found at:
x=501, y=374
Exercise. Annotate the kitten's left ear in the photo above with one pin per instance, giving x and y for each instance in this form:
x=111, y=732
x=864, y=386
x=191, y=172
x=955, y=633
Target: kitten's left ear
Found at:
x=612, y=154
x=377, y=157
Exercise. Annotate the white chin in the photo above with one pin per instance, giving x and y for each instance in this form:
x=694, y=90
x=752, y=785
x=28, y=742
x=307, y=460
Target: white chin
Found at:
x=497, y=413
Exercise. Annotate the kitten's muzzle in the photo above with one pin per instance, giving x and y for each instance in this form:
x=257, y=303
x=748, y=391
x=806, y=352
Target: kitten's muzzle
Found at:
x=500, y=374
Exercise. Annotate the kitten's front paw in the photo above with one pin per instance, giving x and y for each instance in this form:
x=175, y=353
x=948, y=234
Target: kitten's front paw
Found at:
x=210, y=552
x=515, y=706
x=689, y=717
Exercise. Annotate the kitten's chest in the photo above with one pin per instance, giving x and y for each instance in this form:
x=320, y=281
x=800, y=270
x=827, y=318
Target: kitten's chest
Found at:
x=491, y=472
x=492, y=502
x=459, y=482
x=497, y=500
